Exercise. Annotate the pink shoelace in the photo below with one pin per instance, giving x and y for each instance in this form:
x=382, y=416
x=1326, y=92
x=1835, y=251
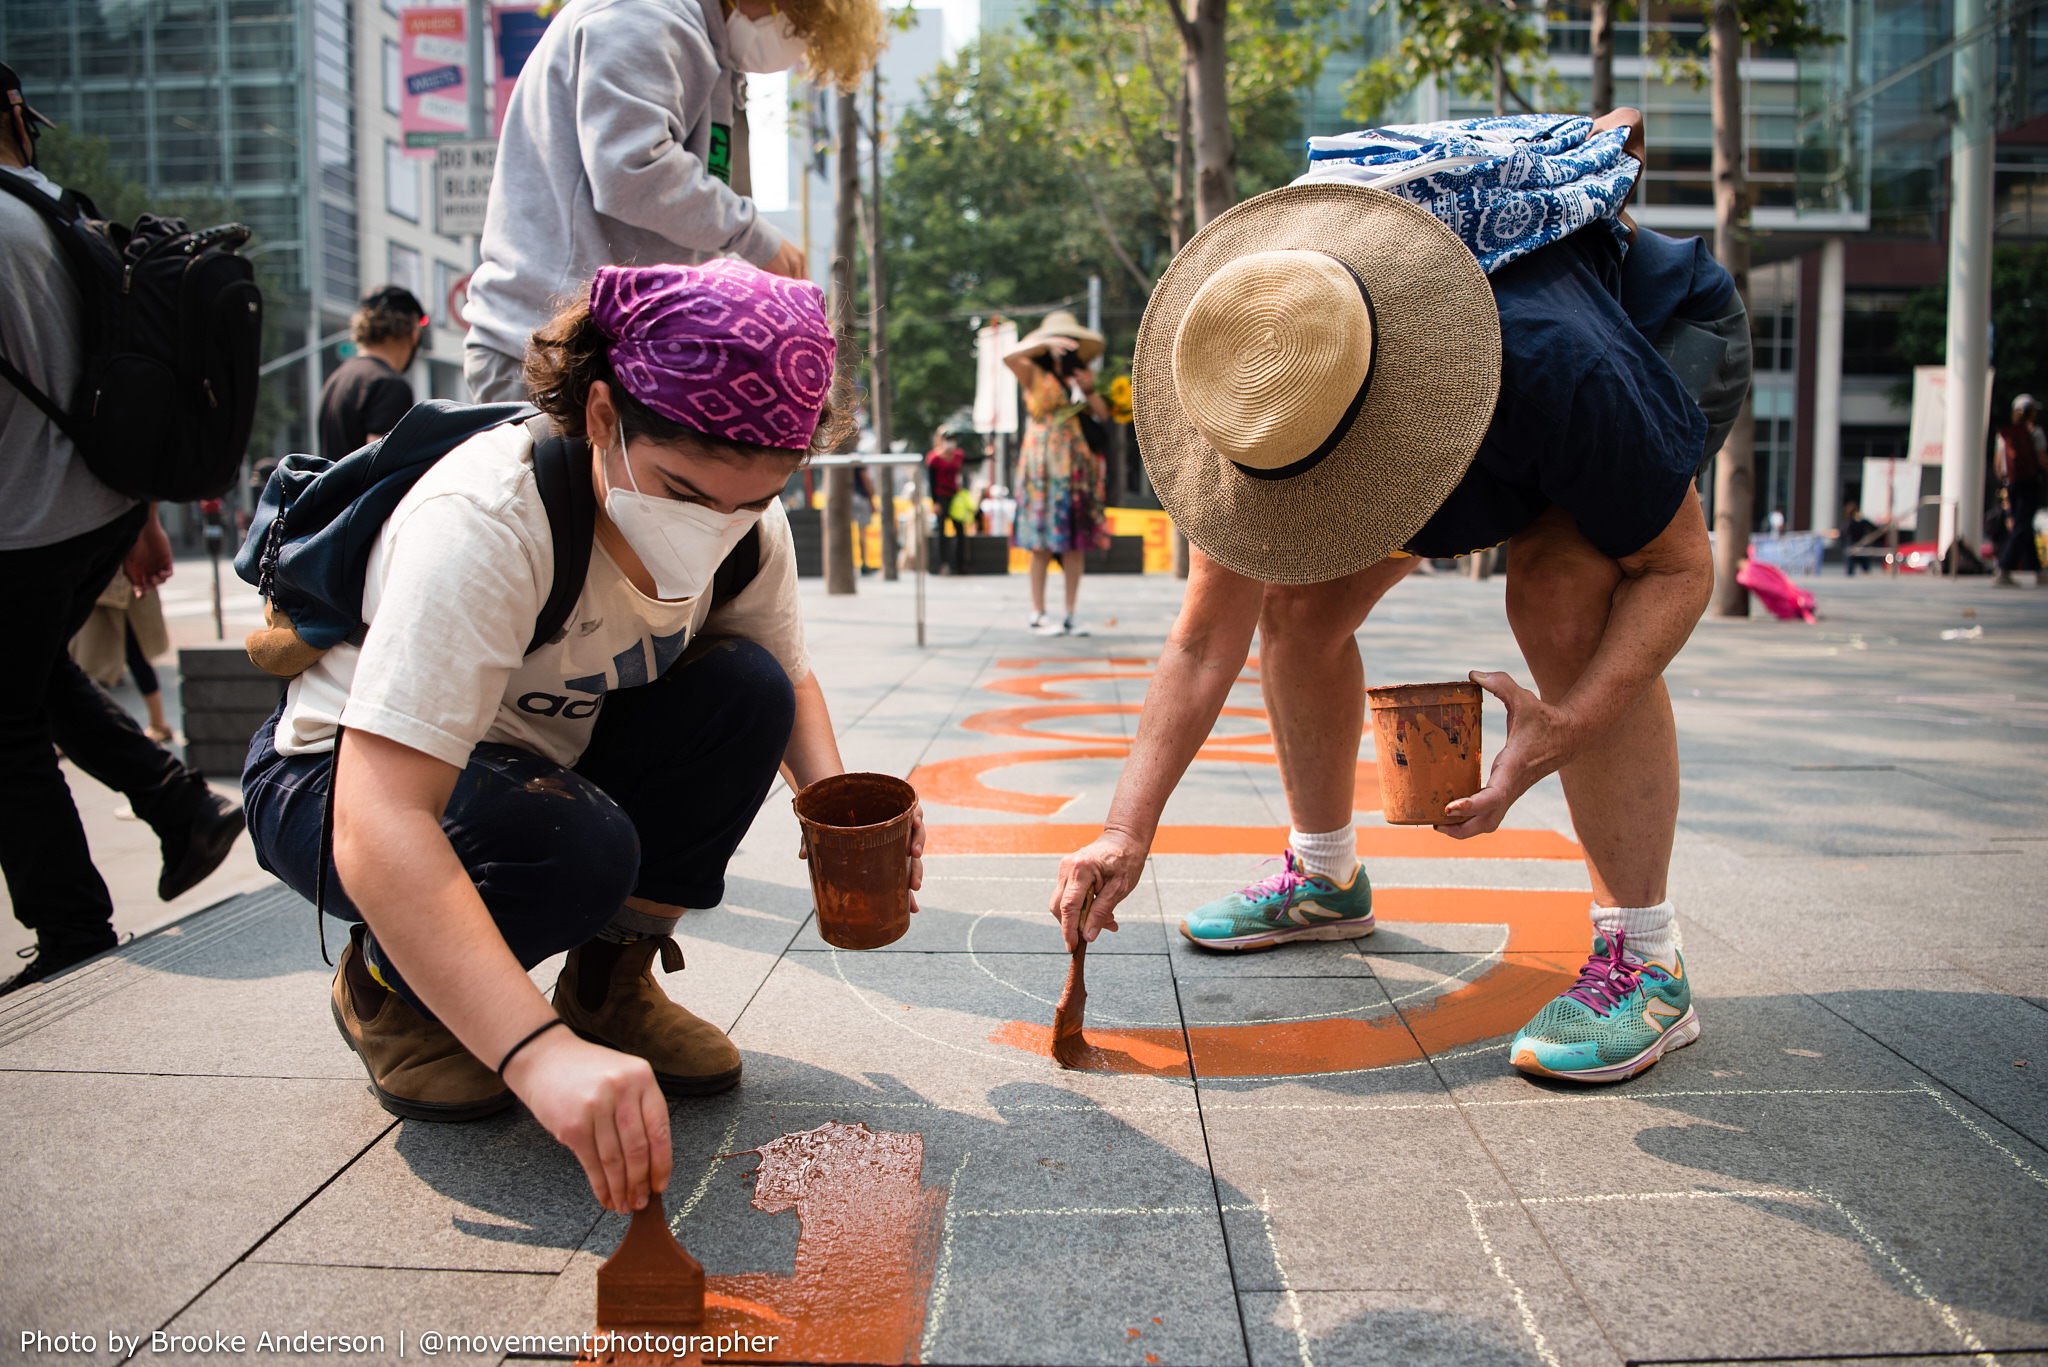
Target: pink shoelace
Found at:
x=1607, y=977
x=1285, y=884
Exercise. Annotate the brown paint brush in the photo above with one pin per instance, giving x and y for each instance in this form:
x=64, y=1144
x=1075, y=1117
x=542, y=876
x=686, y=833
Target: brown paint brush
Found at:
x=649, y=1283
x=1069, y=1048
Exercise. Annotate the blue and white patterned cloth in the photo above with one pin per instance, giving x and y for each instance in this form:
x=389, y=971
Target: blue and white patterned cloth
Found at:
x=1506, y=186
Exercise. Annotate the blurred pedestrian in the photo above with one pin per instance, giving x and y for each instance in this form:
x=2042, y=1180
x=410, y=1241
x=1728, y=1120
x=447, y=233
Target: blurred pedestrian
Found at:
x=2022, y=460
x=944, y=470
x=125, y=632
x=625, y=144
x=1060, y=481
x=1856, y=529
x=368, y=393
x=63, y=535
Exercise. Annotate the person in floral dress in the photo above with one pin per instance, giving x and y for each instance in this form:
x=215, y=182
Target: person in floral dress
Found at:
x=1061, y=490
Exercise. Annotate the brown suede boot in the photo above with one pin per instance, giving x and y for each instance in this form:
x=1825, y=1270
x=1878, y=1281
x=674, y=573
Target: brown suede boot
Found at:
x=608, y=995
x=417, y=1067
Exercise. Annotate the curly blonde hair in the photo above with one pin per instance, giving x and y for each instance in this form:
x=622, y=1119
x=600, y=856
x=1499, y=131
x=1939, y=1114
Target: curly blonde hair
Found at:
x=841, y=38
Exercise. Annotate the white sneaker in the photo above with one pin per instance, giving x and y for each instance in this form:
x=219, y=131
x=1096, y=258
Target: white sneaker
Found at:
x=1042, y=625
x=1070, y=627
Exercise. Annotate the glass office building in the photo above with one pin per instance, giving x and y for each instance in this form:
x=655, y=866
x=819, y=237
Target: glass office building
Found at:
x=280, y=111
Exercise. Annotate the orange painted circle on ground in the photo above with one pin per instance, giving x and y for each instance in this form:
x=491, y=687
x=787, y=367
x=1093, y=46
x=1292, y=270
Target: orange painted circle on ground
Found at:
x=1016, y=721
x=957, y=782
x=1539, y=962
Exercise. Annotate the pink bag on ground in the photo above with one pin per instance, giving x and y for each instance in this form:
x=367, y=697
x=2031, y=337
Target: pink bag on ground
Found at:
x=1778, y=593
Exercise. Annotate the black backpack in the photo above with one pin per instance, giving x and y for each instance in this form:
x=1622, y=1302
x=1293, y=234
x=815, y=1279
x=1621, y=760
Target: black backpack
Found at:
x=309, y=543
x=172, y=333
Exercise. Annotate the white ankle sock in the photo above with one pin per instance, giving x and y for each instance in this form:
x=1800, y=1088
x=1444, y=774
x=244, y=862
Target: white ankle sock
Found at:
x=1648, y=933
x=1333, y=854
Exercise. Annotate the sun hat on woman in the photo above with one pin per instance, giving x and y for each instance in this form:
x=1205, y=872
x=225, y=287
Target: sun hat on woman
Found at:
x=1313, y=376
x=1088, y=343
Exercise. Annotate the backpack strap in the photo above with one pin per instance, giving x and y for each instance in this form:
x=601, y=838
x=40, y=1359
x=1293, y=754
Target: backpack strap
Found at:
x=741, y=564
x=59, y=212
x=561, y=468
x=36, y=396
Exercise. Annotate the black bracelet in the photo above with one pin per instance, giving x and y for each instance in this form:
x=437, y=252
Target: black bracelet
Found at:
x=535, y=1034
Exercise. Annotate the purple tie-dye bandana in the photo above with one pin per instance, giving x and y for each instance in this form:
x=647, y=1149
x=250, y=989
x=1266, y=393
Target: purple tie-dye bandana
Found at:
x=725, y=348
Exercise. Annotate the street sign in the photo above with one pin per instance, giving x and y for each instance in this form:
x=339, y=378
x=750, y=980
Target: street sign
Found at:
x=462, y=186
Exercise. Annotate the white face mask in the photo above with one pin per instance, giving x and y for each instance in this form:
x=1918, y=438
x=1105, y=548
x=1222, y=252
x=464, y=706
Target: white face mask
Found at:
x=681, y=544
x=763, y=46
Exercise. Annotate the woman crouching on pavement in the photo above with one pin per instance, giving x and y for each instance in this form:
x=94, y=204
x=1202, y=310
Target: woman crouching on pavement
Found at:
x=494, y=807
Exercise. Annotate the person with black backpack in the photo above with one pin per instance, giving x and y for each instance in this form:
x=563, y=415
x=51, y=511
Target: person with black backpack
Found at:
x=65, y=529
x=542, y=696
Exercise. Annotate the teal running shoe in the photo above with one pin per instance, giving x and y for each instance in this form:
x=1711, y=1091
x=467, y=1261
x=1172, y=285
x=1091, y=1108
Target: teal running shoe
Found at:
x=1291, y=905
x=1621, y=1016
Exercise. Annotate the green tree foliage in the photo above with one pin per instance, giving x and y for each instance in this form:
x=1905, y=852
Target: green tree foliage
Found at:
x=1038, y=160
x=84, y=162
x=1467, y=43
x=2019, y=328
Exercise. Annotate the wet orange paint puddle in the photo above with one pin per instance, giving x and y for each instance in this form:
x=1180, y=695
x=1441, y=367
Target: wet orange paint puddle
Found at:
x=1545, y=945
x=867, y=1243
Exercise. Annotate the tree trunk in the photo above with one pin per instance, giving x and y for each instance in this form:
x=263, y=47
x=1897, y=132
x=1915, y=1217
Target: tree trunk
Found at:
x=1603, y=56
x=1205, y=67
x=883, y=476
x=1735, y=466
x=839, y=576
x=1500, y=86
x=1176, y=231
x=1209, y=101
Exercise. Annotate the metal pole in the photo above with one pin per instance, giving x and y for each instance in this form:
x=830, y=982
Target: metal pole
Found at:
x=1825, y=502
x=839, y=529
x=878, y=327
x=1095, y=303
x=1969, y=288
x=473, y=31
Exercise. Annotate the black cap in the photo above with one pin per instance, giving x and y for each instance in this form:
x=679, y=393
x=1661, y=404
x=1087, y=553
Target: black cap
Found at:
x=10, y=91
x=394, y=299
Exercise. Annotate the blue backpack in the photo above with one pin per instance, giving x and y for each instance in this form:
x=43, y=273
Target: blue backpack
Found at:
x=309, y=543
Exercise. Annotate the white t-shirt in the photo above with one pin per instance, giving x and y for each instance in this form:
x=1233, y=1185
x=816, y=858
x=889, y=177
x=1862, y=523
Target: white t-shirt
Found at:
x=454, y=585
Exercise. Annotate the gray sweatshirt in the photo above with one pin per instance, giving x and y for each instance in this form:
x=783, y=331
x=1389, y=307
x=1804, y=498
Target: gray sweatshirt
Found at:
x=618, y=150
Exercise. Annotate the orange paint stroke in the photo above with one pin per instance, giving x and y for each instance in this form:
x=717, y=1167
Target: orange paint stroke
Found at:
x=1034, y=686
x=1535, y=967
x=1374, y=842
x=1015, y=721
x=865, y=1251
x=1144, y=1053
x=957, y=782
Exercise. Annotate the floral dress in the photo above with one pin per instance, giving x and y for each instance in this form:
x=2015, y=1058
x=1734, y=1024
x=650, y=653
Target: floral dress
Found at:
x=1060, y=482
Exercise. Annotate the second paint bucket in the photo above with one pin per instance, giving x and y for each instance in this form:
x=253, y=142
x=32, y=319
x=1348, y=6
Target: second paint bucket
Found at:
x=857, y=828
x=1427, y=738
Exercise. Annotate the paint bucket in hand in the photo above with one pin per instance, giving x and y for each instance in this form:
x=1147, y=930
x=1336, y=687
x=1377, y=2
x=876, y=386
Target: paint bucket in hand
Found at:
x=1427, y=738
x=857, y=829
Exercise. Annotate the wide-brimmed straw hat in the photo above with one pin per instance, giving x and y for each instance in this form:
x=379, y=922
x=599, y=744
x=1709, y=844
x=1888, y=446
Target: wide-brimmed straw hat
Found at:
x=1059, y=323
x=1312, y=377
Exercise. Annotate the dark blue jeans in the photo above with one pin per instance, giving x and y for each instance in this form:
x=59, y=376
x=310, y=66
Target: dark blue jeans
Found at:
x=675, y=772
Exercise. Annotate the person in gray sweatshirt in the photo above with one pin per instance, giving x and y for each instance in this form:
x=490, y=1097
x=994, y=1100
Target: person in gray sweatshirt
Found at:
x=625, y=145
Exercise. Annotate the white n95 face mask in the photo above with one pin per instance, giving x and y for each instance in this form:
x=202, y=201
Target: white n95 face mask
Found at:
x=763, y=46
x=681, y=544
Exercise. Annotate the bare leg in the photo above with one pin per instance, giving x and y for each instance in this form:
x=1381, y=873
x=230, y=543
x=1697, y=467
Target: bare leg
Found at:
x=1040, y=560
x=1623, y=790
x=158, y=729
x=1314, y=684
x=1071, y=565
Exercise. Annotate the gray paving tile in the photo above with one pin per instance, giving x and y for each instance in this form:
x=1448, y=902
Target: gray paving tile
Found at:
x=127, y=1195
x=1399, y=1328
x=493, y=1195
x=358, y=1303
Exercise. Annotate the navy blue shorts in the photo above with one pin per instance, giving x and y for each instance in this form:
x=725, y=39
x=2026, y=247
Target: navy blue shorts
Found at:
x=675, y=773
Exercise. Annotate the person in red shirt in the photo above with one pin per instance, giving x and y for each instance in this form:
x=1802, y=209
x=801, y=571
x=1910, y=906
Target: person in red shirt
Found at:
x=2020, y=471
x=944, y=468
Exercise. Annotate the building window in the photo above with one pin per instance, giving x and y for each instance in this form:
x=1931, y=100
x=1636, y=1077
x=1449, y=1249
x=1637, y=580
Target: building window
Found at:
x=394, y=79
x=188, y=136
x=1773, y=336
x=333, y=43
x=446, y=273
x=335, y=140
x=401, y=183
x=120, y=118
x=338, y=262
x=405, y=269
x=266, y=133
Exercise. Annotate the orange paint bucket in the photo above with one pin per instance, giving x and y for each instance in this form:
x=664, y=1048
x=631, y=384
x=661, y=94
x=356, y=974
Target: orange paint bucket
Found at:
x=857, y=829
x=1427, y=736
